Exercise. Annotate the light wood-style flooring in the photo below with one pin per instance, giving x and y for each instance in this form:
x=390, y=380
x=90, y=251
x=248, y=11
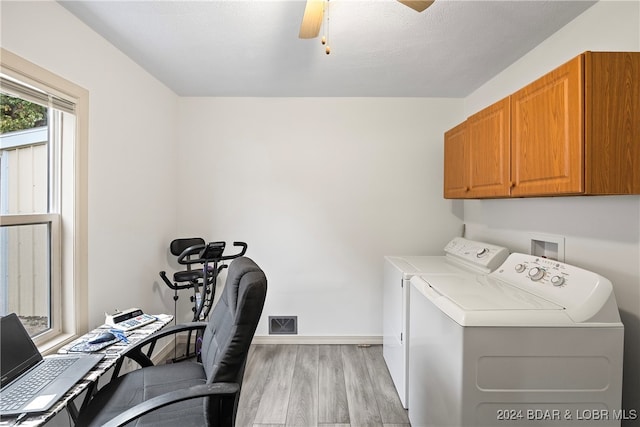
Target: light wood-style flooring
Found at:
x=318, y=385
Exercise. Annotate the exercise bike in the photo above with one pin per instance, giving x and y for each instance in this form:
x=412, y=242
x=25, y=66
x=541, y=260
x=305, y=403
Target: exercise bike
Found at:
x=202, y=280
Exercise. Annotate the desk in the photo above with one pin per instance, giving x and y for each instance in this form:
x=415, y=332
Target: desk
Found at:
x=112, y=354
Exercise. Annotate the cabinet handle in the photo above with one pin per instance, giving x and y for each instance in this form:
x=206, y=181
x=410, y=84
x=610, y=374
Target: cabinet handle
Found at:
x=512, y=184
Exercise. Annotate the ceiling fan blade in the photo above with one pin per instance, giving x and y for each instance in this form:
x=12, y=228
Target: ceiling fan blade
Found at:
x=312, y=19
x=417, y=5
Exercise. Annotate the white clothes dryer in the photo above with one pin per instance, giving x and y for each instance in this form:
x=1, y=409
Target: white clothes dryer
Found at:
x=461, y=256
x=536, y=342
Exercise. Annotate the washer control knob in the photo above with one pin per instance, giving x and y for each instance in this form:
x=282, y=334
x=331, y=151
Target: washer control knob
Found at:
x=482, y=252
x=536, y=273
x=520, y=268
x=557, y=280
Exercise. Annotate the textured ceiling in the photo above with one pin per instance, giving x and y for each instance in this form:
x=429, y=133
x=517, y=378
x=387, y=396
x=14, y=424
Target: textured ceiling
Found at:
x=378, y=47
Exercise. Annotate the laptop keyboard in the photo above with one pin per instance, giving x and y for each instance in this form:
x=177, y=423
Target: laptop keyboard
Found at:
x=28, y=387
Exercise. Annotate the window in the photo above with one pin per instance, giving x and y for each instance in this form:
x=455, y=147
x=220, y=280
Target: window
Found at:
x=29, y=184
x=43, y=237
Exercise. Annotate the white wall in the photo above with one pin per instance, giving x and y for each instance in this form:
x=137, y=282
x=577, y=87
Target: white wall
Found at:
x=321, y=189
x=132, y=136
x=601, y=233
x=337, y=183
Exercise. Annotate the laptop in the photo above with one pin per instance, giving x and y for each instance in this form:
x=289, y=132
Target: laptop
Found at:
x=31, y=383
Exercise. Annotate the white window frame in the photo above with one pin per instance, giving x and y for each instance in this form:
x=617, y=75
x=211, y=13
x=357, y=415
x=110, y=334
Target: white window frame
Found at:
x=69, y=299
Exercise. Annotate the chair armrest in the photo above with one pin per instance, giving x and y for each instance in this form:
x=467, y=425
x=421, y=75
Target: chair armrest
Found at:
x=135, y=352
x=222, y=390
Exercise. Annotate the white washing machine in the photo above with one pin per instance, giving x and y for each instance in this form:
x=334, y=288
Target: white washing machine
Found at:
x=462, y=256
x=536, y=342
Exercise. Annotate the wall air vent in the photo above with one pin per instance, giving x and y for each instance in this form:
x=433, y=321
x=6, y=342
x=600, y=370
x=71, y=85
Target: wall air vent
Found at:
x=283, y=325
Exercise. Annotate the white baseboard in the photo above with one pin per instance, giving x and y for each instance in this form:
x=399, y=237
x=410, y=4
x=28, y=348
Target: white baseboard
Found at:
x=299, y=339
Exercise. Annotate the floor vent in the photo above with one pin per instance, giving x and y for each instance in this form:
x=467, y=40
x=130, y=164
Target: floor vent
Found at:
x=283, y=325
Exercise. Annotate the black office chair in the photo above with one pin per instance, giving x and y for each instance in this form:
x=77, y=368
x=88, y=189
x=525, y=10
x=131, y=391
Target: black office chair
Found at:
x=190, y=393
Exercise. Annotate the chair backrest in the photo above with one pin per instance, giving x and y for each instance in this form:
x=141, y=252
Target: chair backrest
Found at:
x=233, y=322
x=228, y=335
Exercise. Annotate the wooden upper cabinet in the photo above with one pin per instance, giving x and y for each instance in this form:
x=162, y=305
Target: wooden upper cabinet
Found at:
x=546, y=134
x=489, y=147
x=575, y=130
x=612, y=122
x=456, y=147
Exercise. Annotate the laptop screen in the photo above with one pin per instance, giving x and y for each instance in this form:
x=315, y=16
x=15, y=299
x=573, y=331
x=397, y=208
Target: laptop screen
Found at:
x=18, y=353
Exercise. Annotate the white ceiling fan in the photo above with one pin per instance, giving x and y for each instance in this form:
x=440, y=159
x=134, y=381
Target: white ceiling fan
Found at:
x=313, y=14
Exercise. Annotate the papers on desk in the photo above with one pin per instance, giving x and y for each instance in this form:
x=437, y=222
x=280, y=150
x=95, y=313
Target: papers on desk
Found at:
x=87, y=347
x=116, y=346
x=166, y=318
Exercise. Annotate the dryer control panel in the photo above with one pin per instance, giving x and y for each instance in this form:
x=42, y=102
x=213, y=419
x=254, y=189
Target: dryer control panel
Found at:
x=478, y=256
x=581, y=292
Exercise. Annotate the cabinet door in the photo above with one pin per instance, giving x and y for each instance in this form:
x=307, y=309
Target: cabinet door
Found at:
x=612, y=122
x=455, y=162
x=547, y=133
x=489, y=148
